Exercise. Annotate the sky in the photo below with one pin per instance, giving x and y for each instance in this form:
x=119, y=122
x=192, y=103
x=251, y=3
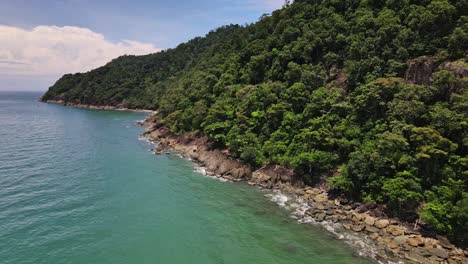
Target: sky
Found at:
x=40, y=40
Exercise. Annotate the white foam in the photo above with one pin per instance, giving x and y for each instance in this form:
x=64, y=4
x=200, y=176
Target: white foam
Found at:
x=200, y=169
x=298, y=209
x=278, y=198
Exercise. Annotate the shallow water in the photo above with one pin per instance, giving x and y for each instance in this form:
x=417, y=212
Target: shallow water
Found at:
x=77, y=186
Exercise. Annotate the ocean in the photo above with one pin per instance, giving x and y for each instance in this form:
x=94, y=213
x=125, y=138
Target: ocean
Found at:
x=79, y=186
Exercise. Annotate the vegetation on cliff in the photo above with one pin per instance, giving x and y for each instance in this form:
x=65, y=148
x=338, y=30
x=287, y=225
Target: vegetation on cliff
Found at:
x=371, y=95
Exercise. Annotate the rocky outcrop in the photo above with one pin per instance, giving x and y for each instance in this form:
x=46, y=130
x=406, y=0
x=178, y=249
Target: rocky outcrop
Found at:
x=419, y=70
x=272, y=175
x=460, y=68
x=199, y=150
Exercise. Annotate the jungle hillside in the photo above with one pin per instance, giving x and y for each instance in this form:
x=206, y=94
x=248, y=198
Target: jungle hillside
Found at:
x=367, y=96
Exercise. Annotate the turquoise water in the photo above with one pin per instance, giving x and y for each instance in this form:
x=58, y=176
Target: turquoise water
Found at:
x=77, y=186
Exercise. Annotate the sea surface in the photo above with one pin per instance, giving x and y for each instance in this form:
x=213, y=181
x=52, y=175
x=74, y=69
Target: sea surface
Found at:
x=78, y=186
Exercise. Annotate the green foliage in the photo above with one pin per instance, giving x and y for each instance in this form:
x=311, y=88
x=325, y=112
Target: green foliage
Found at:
x=318, y=86
x=403, y=193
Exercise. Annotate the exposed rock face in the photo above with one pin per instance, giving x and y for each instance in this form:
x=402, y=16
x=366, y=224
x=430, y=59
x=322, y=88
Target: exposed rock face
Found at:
x=273, y=174
x=457, y=67
x=419, y=70
x=382, y=223
x=198, y=149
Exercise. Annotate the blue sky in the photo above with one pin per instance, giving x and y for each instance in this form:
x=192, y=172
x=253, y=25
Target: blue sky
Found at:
x=74, y=35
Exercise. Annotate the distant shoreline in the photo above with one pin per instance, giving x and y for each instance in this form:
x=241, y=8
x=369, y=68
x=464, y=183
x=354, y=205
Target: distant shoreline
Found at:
x=98, y=107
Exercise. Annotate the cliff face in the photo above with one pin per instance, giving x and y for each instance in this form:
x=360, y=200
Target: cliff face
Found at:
x=420, y=70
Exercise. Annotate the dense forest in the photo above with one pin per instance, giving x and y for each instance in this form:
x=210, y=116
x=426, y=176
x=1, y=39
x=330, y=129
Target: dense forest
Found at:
x=370, y=96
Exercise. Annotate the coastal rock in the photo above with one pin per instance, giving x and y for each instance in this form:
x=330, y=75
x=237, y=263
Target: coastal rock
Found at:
x=320, y=198
x=439, y=252
x=430, y=242
x=399, y=240
x=416, y=257
x=415, y=241
x=372, y=229
x=395, y=230
x=443, y=241
x=382, y=223
x=320, y=206
x=358, y=228
x=392, y=245
x=319, y=217
x=374, y=236
x=369, y=220
x=312, y=191
x=356, y=217
x=261, y=177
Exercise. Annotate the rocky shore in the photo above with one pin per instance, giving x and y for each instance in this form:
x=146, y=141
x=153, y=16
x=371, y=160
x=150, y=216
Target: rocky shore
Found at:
x=97, y=107
x=365, y=226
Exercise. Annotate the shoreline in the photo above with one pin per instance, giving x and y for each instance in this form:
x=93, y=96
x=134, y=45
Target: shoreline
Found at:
x=364, y=227
x=99, y=107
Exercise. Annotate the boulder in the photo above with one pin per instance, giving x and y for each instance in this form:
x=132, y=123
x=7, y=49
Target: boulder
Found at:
x=444, y=242
x=415, y=241
x=416, y=257
x=356, y=217
x=358, y=228
x=369, y=220
x=312, y=191
x=320, y=206
x=261, y=177
x=392, y=245
x=319, y=217
x=430, y=242
x=285, y=178
x=438, y=252
x=395, y=230
x=399, y=240
x=372, y=229
x=299, y=192
x=383, y=223
x=320, y=198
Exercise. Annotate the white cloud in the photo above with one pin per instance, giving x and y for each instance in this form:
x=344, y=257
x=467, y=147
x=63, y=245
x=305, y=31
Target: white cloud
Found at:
x=53, y=51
